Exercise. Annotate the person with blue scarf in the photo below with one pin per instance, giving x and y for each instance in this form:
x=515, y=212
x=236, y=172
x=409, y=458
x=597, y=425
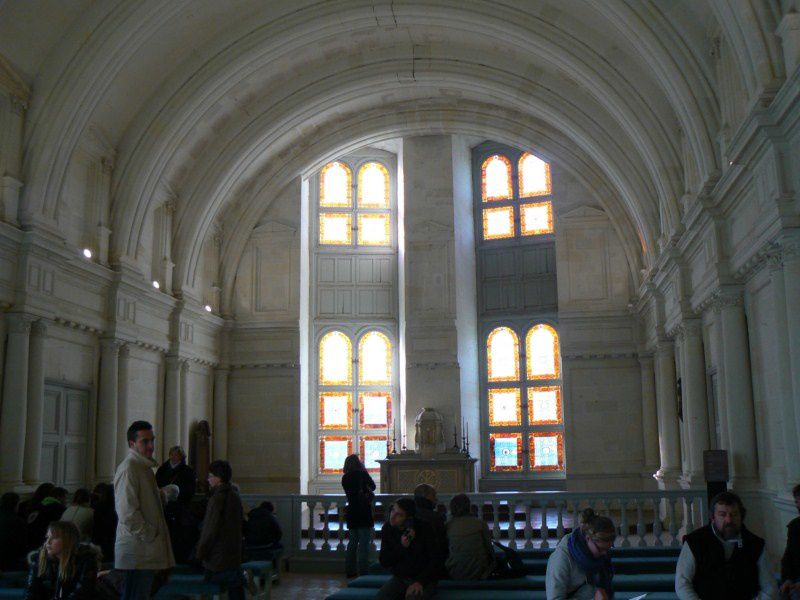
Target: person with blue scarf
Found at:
x=580, y=567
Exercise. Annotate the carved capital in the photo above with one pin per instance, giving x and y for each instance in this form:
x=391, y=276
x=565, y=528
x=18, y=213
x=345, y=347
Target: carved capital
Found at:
x=665, y=348
x=18, y=323
x=39, y=328
x=689, y=328
x=110, y=346
x=125, y=351
x=726, y=299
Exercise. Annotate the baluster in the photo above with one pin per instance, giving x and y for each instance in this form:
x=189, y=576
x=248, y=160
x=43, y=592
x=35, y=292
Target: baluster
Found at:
x=326, y=531
x=340, y=528
x=657, y=521
x=701, y=500
x=544, y=532
x=673, y=523
x=641, y=530
x=512, y=525
x=528, y=529
x=560, y=525
x=689, y=508
x=311, y=506
x=384, y=506
x=623, y=523
x=496, y=518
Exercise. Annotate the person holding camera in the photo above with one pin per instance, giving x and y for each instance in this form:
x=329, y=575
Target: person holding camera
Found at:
x=409, y=550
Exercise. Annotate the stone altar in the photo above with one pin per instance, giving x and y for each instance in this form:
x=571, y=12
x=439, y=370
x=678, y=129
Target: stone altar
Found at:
x=448, y=470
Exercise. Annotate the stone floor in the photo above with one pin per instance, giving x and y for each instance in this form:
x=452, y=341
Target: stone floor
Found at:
x=307, y=586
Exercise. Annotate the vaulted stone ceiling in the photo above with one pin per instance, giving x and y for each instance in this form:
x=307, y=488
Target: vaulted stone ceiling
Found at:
x=224, y=103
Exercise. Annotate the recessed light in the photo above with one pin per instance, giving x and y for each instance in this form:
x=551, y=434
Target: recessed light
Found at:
x=730, y=163
x=87, y=253
x=156, y=284
x=208, y=307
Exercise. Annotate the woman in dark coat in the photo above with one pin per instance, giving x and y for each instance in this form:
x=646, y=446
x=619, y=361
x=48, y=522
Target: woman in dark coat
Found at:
x=359, y=487
x=65, y=569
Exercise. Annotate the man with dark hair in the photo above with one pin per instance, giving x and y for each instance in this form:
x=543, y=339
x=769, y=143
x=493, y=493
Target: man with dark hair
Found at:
x=12, y=534
x=410, y=551
x=262, y=528
x=426, y=510
x=220, y=544
x=142, y=547
x=790, y=563
x=723, y=560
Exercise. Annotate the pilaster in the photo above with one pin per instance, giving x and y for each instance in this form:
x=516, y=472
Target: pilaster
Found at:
x=694, y=398
x=15, y=399
x=123, y=379
x=35, y=412
x=107, y=414
x=668, y=434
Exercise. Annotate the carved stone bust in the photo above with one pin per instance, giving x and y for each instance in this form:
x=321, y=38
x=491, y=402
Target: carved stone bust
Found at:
x=429, y=433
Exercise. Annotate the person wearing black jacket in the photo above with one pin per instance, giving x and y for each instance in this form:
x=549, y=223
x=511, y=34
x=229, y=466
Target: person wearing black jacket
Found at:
x=790, y=563
x=12, y=534
x=65, y=569
x=359, y=487
x=182, y=526
x=410, y=551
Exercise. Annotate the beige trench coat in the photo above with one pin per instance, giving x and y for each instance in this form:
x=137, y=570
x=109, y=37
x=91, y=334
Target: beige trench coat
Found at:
x=142, y=534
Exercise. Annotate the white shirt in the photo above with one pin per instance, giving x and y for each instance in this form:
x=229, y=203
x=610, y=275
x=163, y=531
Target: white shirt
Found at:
x=685, y=570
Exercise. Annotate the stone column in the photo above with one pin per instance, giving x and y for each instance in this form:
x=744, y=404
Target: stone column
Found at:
x=15, y=399
x=695, y=402
x=791, y=277
x=666, y=399
x=433, y=378
x=780, y=333
x=107, y=410
x=35, y=412
x=738, y=391
x=220, y=431
x=172, y=399
x=123, y=376
x=184, y=406
x=649, y=415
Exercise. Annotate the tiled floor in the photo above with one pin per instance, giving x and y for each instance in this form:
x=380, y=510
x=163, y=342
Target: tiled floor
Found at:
x=307, y=586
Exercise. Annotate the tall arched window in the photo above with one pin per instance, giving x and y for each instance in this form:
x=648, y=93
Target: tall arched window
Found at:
x=522, y=416
x=354, y=313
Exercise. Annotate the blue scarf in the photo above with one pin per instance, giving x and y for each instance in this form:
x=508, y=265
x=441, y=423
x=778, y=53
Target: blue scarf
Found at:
x=599, y=572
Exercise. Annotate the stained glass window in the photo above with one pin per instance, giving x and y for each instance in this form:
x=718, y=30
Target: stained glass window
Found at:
x=505, y=407
x=335, y=359
x=502, y=352
x=534, y=176
x=541, y=347
x=536, y=218
x=333, y=449
x=336, y=186
x=372, y=448
x=505, y=451
x=498, y=223
x=374, y=359
x=373, y=230
x=373, y=186
x=547, y=450
x=544, y=405
x=375, y=410
x=496, y=178
x=335, y=410
x=335, y=228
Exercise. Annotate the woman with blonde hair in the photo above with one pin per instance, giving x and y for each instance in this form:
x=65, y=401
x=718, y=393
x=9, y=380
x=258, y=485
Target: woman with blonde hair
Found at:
x=65, y=568
x=580, y=567
x=360, y=490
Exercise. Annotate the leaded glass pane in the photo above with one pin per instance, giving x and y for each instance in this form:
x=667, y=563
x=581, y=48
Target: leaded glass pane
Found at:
x=373, y=186
x=375, y=410
x=534, y=176
x=335, y=410
x=336, y=228
x=502, y=355
x=496, y=178
x=505, y=407
x=505, y=451
x=336, y=185
x=544, y=405
x=373, y=230
x=547, y=451
x=333, y=449
x=541, y=346
x=373, y=448
x=498, y=223
x=536, y=218
x=335, y=359
x=374, y=359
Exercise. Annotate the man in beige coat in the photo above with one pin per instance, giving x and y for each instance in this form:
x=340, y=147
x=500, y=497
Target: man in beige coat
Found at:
x=142, y=547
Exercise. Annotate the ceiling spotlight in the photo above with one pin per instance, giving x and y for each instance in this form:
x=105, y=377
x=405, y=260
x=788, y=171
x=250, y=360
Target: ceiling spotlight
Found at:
x=208, y=307
x=730, y=163
x=156, y=284
x=87, y=253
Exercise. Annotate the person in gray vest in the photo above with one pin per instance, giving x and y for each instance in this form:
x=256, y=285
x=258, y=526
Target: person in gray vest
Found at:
x=723, y=560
